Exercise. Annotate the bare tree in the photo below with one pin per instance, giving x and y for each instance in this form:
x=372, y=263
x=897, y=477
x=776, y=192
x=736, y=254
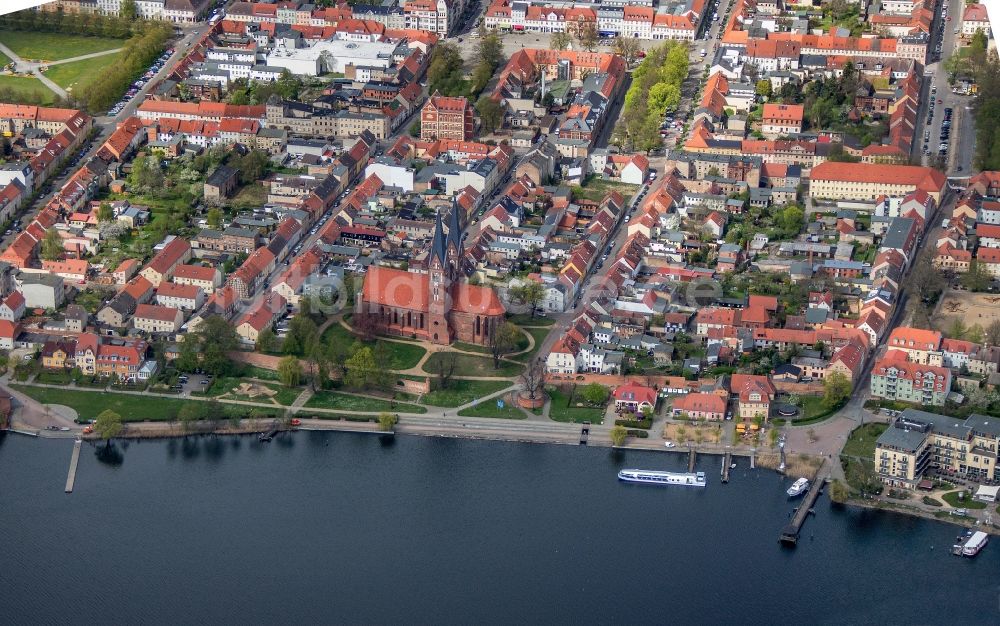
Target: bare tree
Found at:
x=446, y=368
x=533, y=378
x=502, y=341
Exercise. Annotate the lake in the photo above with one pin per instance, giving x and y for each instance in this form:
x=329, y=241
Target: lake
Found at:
x=342, y=527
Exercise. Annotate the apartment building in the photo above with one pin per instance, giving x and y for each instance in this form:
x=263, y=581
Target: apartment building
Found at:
x=894, y=377
x=918, y=441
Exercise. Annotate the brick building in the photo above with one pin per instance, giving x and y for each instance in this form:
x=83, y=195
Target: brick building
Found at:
x=446, y=118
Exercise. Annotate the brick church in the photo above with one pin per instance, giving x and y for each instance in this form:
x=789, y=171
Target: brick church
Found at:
x=439, y=305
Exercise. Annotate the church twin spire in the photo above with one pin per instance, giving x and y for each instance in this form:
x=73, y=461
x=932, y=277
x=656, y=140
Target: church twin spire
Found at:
x=448, y=247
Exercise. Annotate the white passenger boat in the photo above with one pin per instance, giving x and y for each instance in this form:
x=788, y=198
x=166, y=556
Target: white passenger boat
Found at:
x=662, y=478
x=798, y=488
x=976, y=542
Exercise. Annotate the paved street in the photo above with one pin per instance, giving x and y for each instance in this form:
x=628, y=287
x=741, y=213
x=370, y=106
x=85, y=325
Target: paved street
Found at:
x=962, y=139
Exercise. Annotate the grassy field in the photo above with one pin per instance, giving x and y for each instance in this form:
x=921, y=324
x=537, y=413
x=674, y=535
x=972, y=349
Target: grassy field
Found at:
x=462, y=392
x=4, y=59
x=347, y=402
x=539, y=335
x=490, y=409
x=522, y=343
x=595, y=189
x=403, y=355
x=527, y=320
x=49, y=47
x=952, y=499
x=560, y=410
x=225, y=385
x=88, y=403
x=26, y=86
x=78, y=74
x=468, y=365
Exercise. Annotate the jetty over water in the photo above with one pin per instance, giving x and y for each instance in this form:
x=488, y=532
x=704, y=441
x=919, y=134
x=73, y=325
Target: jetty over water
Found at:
x=74, y=461
x=790, y=533
x=692, y=458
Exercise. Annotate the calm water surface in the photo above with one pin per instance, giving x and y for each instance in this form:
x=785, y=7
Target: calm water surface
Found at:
x=346, y=528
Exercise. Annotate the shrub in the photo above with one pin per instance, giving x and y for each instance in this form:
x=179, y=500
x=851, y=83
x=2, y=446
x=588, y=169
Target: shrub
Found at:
x=643, y=423
x=641, y=434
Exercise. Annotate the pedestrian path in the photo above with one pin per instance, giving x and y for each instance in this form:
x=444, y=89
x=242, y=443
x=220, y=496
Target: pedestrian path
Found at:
x=25, y=66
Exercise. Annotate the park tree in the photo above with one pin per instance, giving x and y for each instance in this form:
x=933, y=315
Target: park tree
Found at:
x=502, y=341
x=108, y=424
x=187, y=358
x=290, y=371
x=924, y=281
x=360, y=369
x=127, y=10
x=215, y=338
x=533, y=378
x=444, y=367
x=977, y=278
x=529, y=293
x=214, y=217
x=560, y=40
x=386, y=421
x=595, y=394
x=267, y=341
x=489, y=49
x=618, y=435
x=627, y=48
x=490, y=113
x=836, y=390
x=302, y=334
x=993, y=333
x=764, y=88
x=52, y=246
x=444, y=72
x=587, y=36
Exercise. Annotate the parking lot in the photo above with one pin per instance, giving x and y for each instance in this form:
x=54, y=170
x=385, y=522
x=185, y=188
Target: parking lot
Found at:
x=193, y=382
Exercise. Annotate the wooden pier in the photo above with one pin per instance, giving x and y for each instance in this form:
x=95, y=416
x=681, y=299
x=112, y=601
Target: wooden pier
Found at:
x=74, y=462
x=584, y=435
x=790, y=533
x=692, y=457
x=727, y=461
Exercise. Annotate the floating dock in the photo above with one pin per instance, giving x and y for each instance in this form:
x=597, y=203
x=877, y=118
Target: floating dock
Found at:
x=74, y=462
x=584, y=435
x=790, y=533
x=726, y=462
x=692, y=457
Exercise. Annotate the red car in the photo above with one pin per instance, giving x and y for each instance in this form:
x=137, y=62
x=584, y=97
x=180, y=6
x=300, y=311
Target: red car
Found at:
x=296, y=422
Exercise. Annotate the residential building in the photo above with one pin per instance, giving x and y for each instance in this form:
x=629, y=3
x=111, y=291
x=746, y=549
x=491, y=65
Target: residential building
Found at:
x=894, y=377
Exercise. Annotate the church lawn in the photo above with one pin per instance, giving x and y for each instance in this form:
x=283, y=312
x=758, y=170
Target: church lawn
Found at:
x=402, y=355
x=348, y=402
x=461, y=392
x=469, y=365
x=524, y=319
x=49, y=47
x=539, y=335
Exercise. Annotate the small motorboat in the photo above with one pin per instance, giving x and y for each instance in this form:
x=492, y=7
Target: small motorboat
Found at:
x=798, y=488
